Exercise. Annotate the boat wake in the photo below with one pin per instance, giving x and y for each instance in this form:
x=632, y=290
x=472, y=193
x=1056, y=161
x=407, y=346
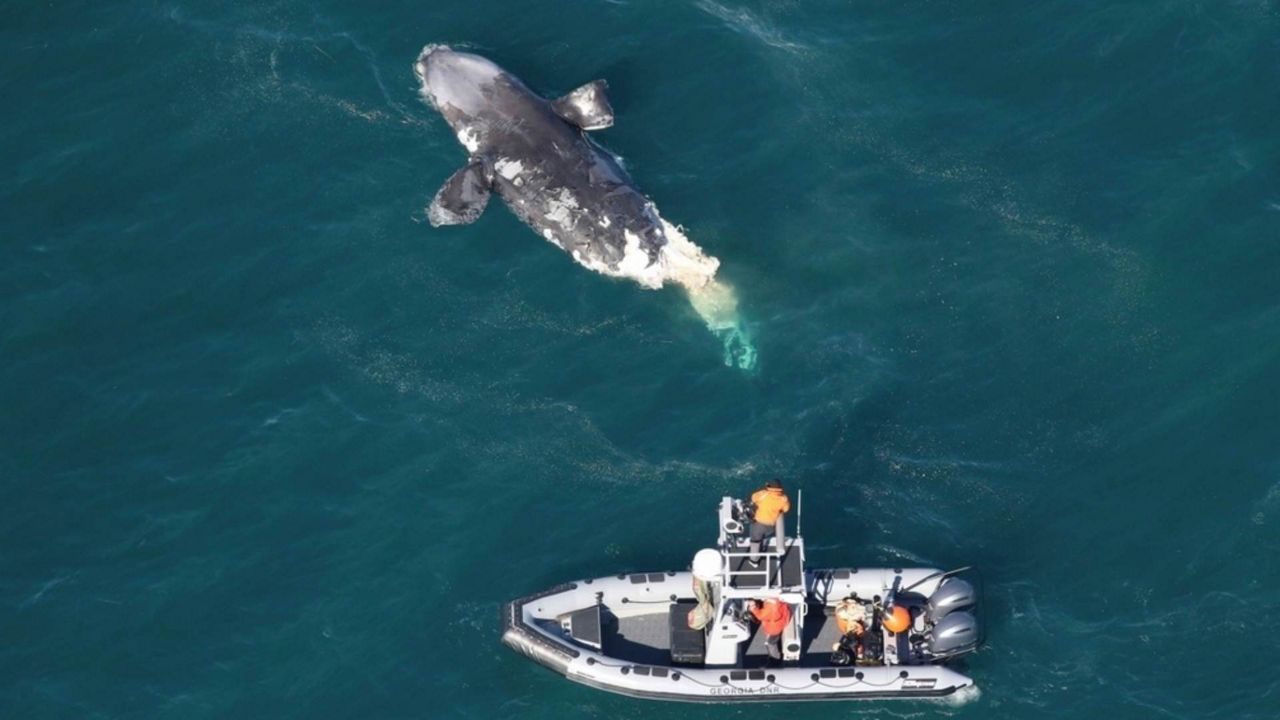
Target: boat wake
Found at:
x=961, y=697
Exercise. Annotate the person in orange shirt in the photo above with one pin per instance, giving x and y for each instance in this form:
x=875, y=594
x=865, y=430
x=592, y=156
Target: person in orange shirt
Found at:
x=771, y=504
x=773, y=616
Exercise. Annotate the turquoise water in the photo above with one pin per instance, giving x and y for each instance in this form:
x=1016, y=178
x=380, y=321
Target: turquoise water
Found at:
x=273, y=447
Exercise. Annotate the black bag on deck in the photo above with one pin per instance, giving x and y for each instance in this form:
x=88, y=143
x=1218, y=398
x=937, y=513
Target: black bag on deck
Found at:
x=688, y=646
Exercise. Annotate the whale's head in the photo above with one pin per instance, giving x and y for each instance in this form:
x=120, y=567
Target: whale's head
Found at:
x=463, y=87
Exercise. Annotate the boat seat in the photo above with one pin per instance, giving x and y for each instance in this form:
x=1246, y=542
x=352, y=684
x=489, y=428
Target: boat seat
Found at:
x=688, y=646
x=584, y=626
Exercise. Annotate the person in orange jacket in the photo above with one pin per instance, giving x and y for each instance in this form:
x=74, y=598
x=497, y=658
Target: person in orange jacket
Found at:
x=771, y=503
x=773, y=616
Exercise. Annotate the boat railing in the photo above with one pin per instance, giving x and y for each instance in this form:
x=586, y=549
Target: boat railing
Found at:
x=764, y=570
x=733, y=547
x=747, y=553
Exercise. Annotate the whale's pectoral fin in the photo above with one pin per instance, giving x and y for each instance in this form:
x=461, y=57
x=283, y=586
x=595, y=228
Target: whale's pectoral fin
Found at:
x=587, y=107
x=462, y=197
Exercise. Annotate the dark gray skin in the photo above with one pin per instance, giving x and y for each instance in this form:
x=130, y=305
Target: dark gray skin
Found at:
x=537, y=157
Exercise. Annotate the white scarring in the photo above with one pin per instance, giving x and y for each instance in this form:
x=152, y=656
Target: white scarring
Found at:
x=508, y=168
x=470, y=138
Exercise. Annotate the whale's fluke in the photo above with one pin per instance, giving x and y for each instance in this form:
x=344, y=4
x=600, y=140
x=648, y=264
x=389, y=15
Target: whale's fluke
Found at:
x=717, y=304
x=715, y=301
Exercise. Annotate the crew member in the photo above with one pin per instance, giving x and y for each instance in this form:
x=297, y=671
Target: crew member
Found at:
x=771, y=504
x=851, y=617
x=851, y=620
x=773, y=616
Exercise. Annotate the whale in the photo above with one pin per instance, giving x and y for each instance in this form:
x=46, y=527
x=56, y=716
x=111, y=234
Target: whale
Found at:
x=538, y=157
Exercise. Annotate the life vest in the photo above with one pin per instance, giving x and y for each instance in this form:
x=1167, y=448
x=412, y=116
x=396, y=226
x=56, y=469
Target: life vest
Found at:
x=770, y=503
x=773, y=616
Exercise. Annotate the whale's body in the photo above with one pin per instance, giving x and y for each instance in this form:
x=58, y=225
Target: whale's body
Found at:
x=534, y=154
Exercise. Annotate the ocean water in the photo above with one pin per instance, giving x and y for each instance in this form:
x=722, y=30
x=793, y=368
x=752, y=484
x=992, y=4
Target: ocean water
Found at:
x=272, y=447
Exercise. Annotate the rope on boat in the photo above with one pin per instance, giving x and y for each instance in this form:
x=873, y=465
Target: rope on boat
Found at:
x=771, y=679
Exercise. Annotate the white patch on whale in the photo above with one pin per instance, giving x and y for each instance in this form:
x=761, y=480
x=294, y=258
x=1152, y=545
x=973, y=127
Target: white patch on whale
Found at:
x=508, y=168
x=561, y=209
x=684, y=263
x=635, y=262
x=470, y=138
x=679, y=261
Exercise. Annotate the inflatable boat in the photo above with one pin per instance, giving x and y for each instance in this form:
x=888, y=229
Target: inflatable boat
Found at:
x=688, y=635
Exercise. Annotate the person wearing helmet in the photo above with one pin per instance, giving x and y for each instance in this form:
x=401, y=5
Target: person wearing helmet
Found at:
x=851, y=617
x=773, y=616
x=771, y=503
x=851, y=620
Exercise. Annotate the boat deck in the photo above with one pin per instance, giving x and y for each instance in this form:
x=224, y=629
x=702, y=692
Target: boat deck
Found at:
x=787, y=573
x=644, y=639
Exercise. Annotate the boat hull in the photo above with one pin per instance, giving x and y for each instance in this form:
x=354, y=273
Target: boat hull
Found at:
x=530, y=629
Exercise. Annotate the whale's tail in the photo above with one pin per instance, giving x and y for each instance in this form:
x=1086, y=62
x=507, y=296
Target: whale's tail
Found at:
x=717, y=305
x=715, y=301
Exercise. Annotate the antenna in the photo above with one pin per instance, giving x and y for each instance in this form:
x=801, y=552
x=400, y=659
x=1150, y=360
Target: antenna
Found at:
x=799, y=510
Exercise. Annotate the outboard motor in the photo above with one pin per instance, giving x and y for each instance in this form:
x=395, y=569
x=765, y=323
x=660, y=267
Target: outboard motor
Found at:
x=952, y=595
x=955, y=634
x=953, y=628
